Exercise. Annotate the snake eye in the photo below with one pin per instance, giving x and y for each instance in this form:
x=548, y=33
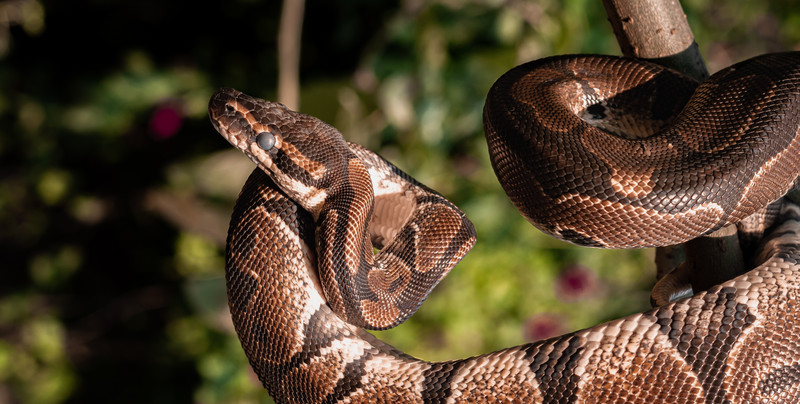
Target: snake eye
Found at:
x=265, y=140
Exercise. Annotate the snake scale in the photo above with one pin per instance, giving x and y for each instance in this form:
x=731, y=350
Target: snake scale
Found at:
x=303, y=281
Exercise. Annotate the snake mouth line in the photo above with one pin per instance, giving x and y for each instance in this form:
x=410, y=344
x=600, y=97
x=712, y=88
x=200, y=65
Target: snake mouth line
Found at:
x=225, y=111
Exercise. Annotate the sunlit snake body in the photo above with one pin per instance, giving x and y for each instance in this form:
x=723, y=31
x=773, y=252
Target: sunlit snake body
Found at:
x=737, y=342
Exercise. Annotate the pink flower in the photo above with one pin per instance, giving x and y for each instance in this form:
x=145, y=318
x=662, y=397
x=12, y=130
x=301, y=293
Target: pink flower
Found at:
x=543, y=326
x=575, y=283
x=165, y=121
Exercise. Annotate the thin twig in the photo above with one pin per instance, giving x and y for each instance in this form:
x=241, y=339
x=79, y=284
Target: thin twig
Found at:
x=289, y=34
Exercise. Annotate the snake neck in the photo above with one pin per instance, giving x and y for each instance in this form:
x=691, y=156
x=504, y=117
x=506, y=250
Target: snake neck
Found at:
x=344, y=249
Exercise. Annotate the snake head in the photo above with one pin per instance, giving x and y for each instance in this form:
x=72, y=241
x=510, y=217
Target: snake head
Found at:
x=252, y=125
x=296, y=150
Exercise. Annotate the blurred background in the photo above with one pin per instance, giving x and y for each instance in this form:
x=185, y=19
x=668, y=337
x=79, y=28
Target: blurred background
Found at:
x=115, y=191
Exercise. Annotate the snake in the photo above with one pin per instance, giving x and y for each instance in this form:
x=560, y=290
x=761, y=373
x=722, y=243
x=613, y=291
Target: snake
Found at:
x=327, y=239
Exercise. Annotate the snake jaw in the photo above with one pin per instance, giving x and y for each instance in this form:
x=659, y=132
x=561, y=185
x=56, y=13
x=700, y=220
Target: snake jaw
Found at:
x=259, y=156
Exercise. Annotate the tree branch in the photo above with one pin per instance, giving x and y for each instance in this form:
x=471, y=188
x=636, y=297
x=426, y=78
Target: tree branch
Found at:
x=657, y=30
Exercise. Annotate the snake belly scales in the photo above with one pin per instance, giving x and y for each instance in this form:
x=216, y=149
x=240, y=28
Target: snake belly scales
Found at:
x=303, y=280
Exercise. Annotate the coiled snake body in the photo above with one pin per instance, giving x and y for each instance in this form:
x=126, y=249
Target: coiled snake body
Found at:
x=302, y=279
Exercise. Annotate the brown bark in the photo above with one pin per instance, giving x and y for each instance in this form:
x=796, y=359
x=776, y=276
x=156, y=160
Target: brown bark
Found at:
x=656, y=30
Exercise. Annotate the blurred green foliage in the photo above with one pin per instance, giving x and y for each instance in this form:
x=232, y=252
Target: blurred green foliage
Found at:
x=115, y=190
